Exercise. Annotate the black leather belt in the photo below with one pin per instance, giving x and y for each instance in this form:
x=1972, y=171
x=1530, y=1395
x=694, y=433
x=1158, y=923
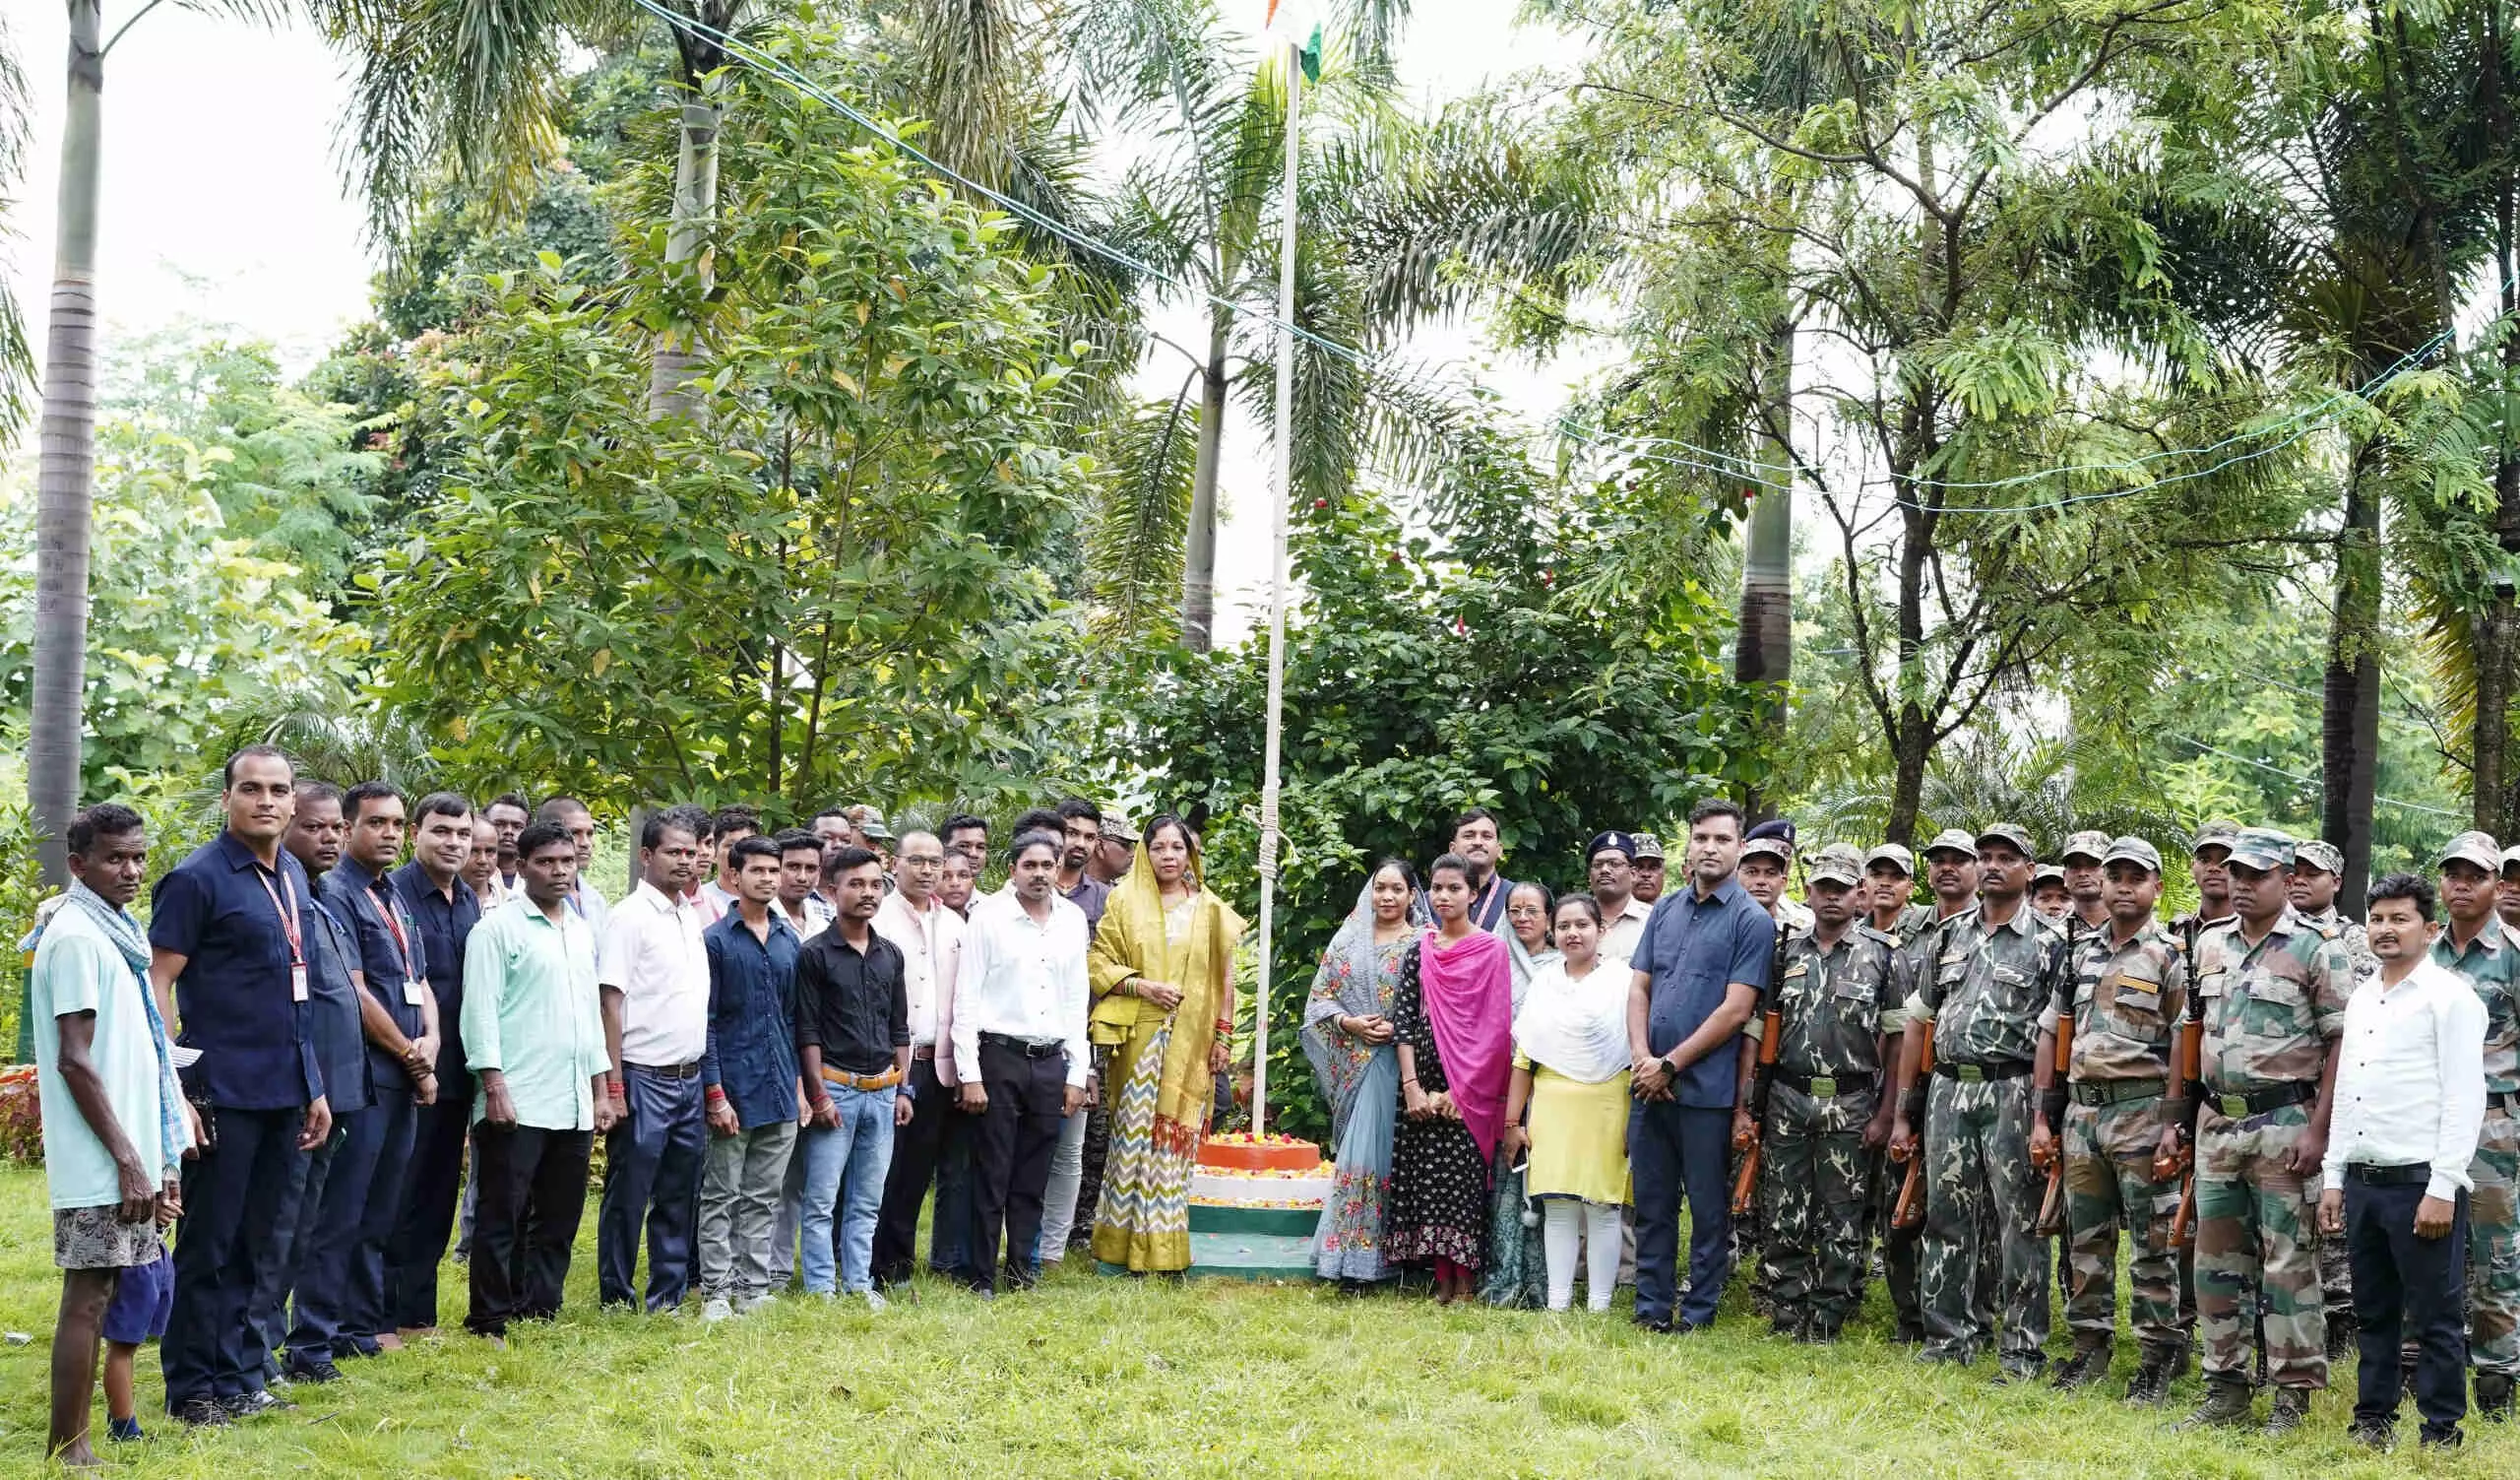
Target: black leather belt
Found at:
x=2388, y=1177
x=1829, y=1086
x=689, y=1071
x=2115, y=1092
x=1984, y=1074
x=2246, y=1103
x=1024, y=1045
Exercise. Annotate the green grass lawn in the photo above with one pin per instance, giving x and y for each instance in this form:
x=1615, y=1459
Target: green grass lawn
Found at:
x=1094, y=1376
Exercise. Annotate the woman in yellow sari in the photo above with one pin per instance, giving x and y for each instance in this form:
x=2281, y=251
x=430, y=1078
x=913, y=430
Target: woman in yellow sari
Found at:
x=1163, y=973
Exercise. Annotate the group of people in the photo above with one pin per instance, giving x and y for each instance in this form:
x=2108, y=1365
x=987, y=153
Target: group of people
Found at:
x=318, y=1061
x=328, y=1060
x=2303, y=1128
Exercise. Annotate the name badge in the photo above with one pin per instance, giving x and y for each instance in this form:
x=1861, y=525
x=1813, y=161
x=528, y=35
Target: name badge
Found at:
x=416, y=991
x=297, y=984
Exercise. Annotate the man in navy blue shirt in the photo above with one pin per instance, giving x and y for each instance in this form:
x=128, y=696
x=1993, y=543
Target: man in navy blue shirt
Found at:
x=340, y=1299
x=1697, y=974
x=227, y=937
x=431, y=888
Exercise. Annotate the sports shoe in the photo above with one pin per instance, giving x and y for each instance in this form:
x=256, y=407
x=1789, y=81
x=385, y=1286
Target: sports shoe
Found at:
x=717, y=1309
x=2291, y=1408
x=752, y=1303
x=875, y=1301
x=254, y=1404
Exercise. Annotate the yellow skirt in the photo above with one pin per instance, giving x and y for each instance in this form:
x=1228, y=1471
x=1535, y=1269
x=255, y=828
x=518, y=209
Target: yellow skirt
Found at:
x=1144, y=1221
x=1579, y=1137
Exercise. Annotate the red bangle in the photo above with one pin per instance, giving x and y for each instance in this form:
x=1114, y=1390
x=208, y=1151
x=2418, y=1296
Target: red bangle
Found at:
x=716, y=1095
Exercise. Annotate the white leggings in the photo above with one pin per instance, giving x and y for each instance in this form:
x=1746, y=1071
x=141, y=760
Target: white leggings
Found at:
x=1598, y=1230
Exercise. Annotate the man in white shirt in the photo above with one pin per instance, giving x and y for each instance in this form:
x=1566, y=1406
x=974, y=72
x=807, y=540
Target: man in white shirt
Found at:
x=932, y=1147
x=801, y=877
x=2410, y=1097
x=655, y=975
x=1020, y=1051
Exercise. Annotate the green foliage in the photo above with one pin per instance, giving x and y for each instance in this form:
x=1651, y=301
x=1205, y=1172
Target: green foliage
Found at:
x=1460, y=657
x=820, y=582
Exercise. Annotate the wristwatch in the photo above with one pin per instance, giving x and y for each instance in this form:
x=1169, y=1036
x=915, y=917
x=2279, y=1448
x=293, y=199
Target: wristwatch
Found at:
x=1668, y=1067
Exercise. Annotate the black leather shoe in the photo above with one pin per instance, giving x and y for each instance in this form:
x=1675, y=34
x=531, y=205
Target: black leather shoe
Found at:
x=315, y=1369
x=255, y=1404
x=202, y=1413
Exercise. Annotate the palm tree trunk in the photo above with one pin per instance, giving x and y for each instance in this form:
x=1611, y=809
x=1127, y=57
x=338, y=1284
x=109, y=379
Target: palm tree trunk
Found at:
x=695, y=202
x=2497, y=657
x=1199, y=546
x=2350, y=718
x=66, y=483
x=1763, y=652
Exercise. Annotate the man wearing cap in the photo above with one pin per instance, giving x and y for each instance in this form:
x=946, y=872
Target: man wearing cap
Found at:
x=2049, y=898
x=2319, y=872
x=2126, y=992
x=2206, y=856
x=1826, y=1114
x=1951, y=873
x=1767, y=858
x=1111, y=862
x=1649, y=869
x=2086, y=882
x=2271, y=989
x=1609, y=867
x=2473, y=945
x=1995, y=975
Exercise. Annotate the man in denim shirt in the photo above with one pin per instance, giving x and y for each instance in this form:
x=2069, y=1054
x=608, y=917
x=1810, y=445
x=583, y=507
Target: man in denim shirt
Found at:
x=749, y=1079
x=1697, y=974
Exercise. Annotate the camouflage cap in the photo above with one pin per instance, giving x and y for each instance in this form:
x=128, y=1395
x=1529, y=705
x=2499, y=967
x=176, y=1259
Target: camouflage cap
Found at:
x=2047, y=873
x=2476, y=847
x=2218, y=833
x=1953, y=840
x=2132, y=850
x=1835, y=866
x=1649, y=845
x=2007, y=832
x=2092, y=844
x=2262, y=848
x=1117, y=827
x=1781, y=849
x=1893, y=854
x=2511, y=858
x=1853, y=855
x=2311, y=853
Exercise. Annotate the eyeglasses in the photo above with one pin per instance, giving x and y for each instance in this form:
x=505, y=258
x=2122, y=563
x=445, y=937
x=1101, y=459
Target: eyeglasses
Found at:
x=924, y=860
x=1526, y=912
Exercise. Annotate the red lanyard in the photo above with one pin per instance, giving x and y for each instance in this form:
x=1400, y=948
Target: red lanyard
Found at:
x=288, y=919
x=385, y=905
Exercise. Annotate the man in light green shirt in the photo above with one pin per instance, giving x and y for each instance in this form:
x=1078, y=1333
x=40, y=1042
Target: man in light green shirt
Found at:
x=534, y=1035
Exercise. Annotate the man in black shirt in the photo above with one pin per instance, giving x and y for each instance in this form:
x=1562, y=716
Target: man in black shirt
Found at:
x=853, y=1051
x=431, y=887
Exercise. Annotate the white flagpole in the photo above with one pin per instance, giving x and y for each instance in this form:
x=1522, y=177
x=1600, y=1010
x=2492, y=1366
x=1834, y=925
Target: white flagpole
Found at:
x=1268, y=837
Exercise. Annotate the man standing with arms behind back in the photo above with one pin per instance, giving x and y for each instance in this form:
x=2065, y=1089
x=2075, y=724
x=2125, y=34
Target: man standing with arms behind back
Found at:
x=1696, y=978
x=655, y=975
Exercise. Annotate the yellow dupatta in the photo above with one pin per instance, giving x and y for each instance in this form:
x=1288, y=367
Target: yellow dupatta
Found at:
x=1130, y=943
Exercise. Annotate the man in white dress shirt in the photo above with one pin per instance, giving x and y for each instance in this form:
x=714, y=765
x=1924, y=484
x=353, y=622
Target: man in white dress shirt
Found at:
x=933, y=1146
x=2410, y=1097
x=1020, y=1051
x=655, y=975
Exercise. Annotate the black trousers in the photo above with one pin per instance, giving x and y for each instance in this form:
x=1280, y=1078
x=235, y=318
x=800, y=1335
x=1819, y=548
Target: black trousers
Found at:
x=436, y=1180
x=917, y=1148
x=2410, y=1284
x=235, y=1195
x=533, y=1191
x=1011, y=1161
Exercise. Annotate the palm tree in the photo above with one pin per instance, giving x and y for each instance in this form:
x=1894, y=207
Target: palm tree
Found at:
x=16, y=355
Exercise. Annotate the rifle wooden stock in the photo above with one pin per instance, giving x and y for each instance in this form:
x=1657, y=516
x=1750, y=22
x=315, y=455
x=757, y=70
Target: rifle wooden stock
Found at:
x=2051, y=1207
x=1745, y=1187
x=1910, y=1209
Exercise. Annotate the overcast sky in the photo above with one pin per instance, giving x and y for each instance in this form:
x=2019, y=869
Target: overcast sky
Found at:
x=222, y=199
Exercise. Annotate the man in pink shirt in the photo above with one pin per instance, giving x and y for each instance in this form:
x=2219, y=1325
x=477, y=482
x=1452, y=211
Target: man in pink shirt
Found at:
x=932, y=1144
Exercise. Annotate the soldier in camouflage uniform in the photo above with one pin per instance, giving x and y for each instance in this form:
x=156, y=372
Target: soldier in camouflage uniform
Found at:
x=1995, y=977
x=1826, y=1112
x=2319, y=872
x=2507, y=899
x=2473, y=944
x=2272, y=989
x=2084, y=880
x=2125, y=993
x=1951, y=862
x=2207, y=853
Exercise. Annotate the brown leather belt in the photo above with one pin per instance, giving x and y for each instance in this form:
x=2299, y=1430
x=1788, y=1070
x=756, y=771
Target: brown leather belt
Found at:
x=847, y=1080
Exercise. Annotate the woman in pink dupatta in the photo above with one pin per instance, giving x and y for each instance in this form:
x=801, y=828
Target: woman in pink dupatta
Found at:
x=1453, y=1014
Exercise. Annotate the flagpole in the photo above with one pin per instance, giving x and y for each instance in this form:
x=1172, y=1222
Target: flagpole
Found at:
x=1270, y=839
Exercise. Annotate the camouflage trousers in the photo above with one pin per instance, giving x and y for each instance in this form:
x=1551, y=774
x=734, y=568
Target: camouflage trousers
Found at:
x=2254, y=1220
x=2109, y=1186
x=1980, y=1188
x=1813, y=1178
x=2493, y=1248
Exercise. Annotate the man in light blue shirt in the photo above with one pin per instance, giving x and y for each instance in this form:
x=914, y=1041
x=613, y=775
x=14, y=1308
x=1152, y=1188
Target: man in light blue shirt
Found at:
x=534, y=1036
x=115, y=1127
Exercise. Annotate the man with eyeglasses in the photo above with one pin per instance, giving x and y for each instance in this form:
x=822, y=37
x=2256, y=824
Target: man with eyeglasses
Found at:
x=929, y=1146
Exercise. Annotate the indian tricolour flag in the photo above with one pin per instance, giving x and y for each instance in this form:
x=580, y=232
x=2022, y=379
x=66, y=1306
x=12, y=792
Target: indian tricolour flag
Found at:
x=1298, y=24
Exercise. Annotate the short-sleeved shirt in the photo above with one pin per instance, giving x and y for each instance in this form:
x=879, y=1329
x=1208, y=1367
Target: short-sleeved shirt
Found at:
x=1830, y=1003
x=653, y=956
x=2126, y=1003
x=1693, y=948
x=2270, y=1009
x=341, y=1039
x=446, y=922
x=78, y=969
x=1911, y=958
x=2492, y=965
x=532, y=1012
x=852, y=1005
x=752, y=1019
x=1990, y=987
x=391, y=955
x=230, y=917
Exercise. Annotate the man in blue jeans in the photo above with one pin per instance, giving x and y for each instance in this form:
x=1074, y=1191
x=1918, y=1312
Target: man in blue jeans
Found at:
x=653, y=973
x=852, y=1049
x=1697, y=974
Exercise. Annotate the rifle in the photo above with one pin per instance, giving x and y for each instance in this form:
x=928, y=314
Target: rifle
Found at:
x=1910, y=1210
x=2187, y=1076
x=1745, y=1187
x=2051, y=1207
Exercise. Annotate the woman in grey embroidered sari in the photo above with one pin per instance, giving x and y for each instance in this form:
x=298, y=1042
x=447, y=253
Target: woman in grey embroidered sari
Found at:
x=1516, y=1273
x=1347, y=1037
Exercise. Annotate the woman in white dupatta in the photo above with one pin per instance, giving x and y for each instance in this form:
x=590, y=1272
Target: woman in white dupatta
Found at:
x=1570, y=1073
